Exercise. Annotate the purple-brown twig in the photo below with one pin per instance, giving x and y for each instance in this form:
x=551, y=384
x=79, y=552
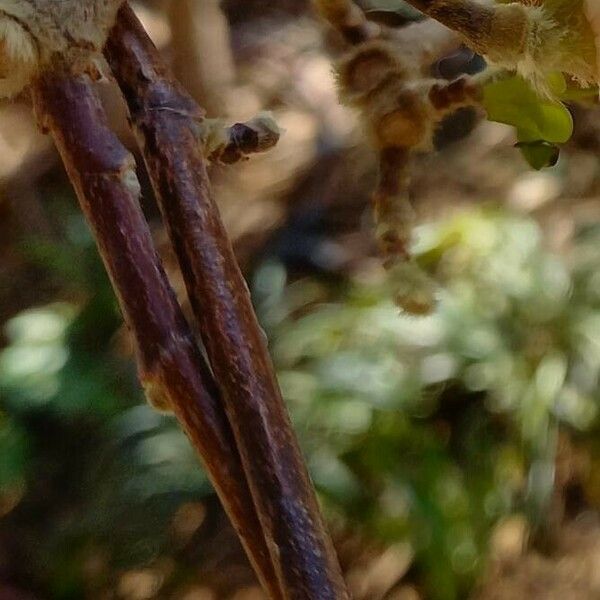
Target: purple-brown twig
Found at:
x=164, y=118
x=171, y=367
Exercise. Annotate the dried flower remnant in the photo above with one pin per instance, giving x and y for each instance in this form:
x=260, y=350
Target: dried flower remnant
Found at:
x=229, y=145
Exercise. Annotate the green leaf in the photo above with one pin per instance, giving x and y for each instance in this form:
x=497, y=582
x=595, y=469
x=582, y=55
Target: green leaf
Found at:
x=539, y=154
x=514, y=102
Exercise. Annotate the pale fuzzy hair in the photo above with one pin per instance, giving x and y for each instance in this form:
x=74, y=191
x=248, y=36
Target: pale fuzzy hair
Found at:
x=541, y=29
x=19, y=57
x=35, y=32
x=558, y=37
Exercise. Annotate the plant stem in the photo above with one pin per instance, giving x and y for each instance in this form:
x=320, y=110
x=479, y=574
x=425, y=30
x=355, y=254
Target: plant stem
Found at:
x=486, y=28
x=170, y=364
x=164, y=117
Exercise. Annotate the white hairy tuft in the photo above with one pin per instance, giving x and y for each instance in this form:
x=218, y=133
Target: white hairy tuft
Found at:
x=532, y=64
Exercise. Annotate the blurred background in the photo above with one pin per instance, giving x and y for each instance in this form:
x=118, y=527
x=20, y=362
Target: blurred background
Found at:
x=456, y=455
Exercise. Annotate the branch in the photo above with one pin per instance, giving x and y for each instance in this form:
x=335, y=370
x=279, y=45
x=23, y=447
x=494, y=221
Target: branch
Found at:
x=164, y=117
x=171, y=367
x=470, y=18
x=499, y=31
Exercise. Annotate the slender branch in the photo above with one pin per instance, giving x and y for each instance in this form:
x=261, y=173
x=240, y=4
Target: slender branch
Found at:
x=496, y=30
x=469, y=17
x=164, y=115
x=171, y=367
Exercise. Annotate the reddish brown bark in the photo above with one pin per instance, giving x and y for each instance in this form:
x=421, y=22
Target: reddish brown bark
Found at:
x=171, y=367
x=164, y=118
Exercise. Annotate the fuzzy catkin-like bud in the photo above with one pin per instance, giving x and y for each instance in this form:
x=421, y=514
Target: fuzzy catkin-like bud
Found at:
x=400, y=109
x=373, y=78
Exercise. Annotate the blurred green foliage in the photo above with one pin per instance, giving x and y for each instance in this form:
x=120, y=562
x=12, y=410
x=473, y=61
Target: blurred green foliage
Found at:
x=421, y=429
x=89, y=473
x=434, y=428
